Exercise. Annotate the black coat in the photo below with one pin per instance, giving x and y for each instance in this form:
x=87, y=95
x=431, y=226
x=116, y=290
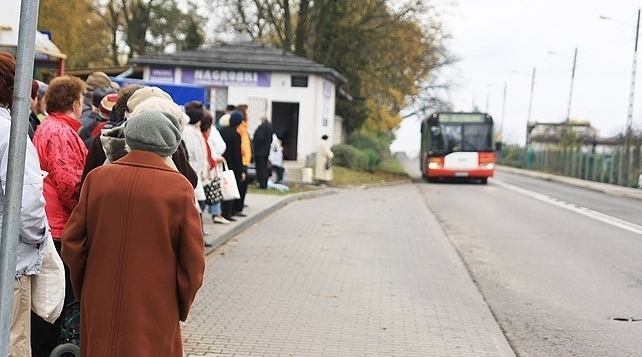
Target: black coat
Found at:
x=262, y=139
x=233, y=151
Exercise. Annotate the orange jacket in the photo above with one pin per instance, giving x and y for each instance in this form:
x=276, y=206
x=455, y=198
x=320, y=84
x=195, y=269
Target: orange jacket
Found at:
x=246, y=143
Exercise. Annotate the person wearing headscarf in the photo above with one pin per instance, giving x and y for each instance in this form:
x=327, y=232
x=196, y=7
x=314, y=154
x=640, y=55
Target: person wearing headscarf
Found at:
x=110, y=145
x=136, y=279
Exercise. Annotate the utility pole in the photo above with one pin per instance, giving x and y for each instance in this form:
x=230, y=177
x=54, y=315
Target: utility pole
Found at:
x=625, y=172
x=530, y=101
x=566, y=128
x=501, y=128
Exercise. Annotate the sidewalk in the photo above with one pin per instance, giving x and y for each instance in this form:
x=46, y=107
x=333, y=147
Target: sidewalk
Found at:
x=259, y=205
x=270, y=294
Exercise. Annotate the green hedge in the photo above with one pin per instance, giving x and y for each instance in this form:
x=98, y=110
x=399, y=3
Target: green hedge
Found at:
x=355, y=159
x=363, y=151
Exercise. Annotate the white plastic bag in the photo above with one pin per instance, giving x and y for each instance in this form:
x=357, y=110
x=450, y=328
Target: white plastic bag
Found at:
x=229, y=188
x=48, y=286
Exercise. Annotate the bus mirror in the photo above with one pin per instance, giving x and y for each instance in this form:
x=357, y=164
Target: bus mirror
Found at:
x=498, y=146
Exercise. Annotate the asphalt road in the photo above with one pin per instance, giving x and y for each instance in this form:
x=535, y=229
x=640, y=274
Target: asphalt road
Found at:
x=555, y=263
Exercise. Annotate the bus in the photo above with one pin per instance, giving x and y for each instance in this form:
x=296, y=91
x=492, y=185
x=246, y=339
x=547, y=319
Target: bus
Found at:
x=457, y=146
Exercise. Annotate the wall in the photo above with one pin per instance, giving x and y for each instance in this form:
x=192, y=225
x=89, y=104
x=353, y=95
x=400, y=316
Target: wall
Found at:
x=316, y=101
x=9, y=22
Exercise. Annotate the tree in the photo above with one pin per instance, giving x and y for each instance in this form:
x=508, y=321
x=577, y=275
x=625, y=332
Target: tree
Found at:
x=98, y=32
x=80, y=34
x=386, y=55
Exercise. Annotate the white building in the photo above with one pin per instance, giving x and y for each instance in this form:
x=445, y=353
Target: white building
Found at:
x=297, y=94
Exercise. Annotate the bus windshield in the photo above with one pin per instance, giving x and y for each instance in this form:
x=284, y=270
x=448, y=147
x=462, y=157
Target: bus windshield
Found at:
x=449, y=137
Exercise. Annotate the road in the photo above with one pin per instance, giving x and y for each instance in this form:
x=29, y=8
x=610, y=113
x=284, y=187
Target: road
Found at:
x=555, y=263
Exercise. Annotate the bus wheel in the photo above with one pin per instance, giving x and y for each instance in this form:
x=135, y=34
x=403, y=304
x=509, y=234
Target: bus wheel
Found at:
x=484, y=180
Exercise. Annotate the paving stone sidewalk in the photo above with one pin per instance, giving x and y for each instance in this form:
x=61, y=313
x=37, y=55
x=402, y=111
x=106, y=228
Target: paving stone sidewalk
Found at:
x=358, y=272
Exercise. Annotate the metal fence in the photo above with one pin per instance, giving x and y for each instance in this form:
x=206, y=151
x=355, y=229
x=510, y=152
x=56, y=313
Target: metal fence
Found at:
x=600, y=164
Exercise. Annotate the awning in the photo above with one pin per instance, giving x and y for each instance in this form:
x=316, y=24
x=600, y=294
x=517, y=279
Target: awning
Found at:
x=47, y=50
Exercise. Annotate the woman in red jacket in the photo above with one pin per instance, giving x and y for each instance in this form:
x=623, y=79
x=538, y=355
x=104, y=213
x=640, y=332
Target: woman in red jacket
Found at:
x=62, y=156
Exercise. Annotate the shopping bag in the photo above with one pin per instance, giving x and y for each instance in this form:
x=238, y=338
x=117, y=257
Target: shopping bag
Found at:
x=213, y=193
x=48, y=286
x=229, y=188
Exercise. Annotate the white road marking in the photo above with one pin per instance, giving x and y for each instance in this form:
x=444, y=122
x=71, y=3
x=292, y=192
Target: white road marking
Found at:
x=616, y=222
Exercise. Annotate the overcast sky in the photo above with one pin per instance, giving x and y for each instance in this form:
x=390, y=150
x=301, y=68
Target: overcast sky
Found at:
x=499, y=43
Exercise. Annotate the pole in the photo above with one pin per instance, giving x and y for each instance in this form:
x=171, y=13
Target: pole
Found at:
x=530, y=101
x=625, y=172
x=501, y=128
x=25, y=53
x=566, y=127
x=570, y=96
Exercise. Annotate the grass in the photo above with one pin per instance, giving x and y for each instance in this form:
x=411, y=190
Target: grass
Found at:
x=390, y=170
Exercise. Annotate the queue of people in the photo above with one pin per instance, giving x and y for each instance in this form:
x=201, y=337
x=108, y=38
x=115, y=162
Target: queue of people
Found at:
x=99, y=199
x=98, y=171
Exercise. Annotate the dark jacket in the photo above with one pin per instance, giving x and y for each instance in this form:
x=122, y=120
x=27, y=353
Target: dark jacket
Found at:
x=233, y=152
x=262, y=139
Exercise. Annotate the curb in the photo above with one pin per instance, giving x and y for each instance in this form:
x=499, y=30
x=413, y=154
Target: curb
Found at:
x=609, y=189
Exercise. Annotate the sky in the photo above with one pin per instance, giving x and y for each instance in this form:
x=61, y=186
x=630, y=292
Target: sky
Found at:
x=500, y=42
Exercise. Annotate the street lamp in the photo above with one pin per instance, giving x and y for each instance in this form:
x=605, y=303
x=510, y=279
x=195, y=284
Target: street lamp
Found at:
x=625, y=172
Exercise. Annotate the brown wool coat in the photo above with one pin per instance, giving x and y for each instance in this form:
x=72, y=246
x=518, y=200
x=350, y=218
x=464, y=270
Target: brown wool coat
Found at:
x=134, y=247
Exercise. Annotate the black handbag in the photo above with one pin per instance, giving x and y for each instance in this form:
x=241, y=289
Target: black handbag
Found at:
x=213, y=191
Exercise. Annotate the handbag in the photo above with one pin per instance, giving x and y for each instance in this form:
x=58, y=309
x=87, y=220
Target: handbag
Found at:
x=48, y=286
x=328, y=163
x=213, y=193
x=229, y=188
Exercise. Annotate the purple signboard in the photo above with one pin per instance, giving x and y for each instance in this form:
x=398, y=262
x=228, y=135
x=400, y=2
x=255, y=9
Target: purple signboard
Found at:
x=161, y=74
x=224, y=78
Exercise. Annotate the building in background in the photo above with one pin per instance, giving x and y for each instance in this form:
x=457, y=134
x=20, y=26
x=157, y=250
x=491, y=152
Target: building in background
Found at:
x=297, y=94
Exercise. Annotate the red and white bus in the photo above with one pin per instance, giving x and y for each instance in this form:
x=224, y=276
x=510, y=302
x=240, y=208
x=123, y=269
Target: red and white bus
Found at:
x=457, y=145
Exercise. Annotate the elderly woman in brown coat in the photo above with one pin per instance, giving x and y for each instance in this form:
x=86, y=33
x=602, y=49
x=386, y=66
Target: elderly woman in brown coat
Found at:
x=134, y=248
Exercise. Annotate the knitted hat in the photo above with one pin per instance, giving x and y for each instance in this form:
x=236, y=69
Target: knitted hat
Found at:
x=224, y=120
x=236, y=117
x=107, y=104
x=195, y=115
x=157, y=103
x=97, y=80
x=144, y=93
x=153, y=130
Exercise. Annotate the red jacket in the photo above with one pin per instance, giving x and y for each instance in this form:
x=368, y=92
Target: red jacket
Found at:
x=62, y=155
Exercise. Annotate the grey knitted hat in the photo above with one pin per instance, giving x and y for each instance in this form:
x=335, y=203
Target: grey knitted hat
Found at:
x=153, y=130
